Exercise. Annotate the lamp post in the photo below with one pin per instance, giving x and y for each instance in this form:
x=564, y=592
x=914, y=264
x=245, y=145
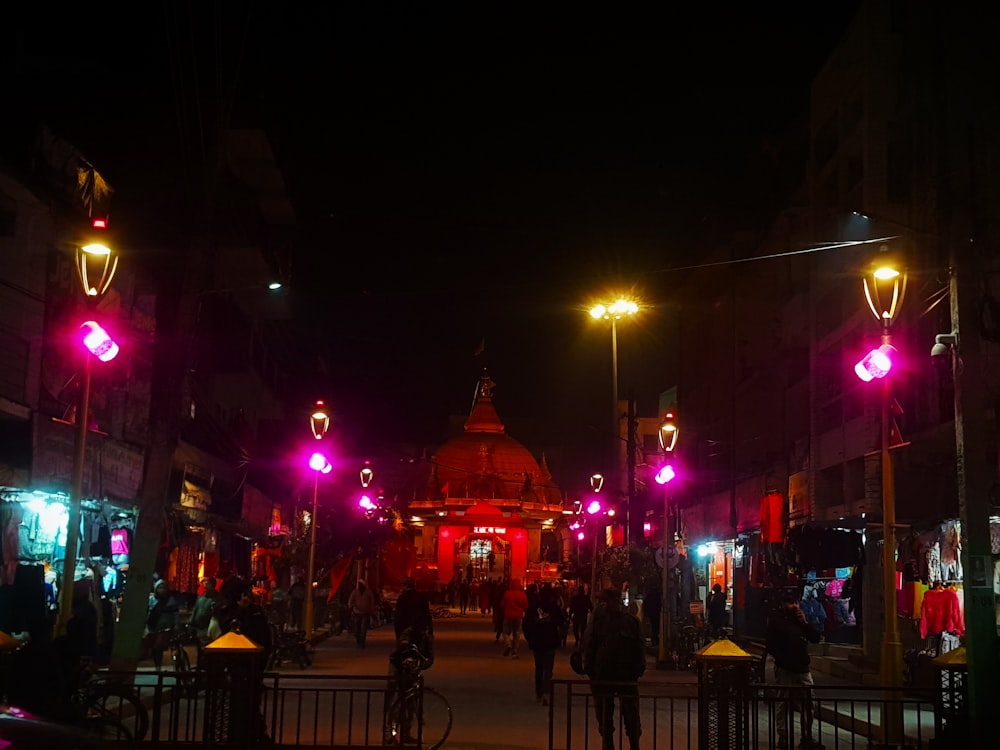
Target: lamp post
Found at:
x=95, y=267
x=319, y=421
x=614, y=312
x=884, y=288
x=667, y=436
x=593, y=508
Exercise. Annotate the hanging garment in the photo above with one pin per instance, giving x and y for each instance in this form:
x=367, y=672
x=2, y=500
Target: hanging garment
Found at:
x=941, y=612
x=772, y=518
x=11, y=542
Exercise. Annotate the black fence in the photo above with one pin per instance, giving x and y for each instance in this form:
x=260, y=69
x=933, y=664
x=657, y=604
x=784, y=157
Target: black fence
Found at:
x=168, y=709
x=685, y=716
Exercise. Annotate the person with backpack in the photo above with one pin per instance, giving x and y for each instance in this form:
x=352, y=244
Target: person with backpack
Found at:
x=543, y=630
x=614, y=659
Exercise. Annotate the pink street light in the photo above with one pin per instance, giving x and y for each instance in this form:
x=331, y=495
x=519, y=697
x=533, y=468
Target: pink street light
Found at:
x=876, y=364
x=98, y=342
x=665, y=474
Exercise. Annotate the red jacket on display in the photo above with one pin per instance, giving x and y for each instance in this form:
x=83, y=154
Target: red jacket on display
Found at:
x=772, y=518
x=941, y=612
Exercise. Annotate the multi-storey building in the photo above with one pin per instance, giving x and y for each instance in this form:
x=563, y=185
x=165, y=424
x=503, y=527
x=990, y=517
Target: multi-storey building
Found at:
x=775, y=420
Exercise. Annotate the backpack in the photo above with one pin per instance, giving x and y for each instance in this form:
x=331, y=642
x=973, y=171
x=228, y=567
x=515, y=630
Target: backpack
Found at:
x=618, y=651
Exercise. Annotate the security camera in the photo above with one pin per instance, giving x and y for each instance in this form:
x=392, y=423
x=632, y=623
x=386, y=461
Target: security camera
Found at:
x=943, y=343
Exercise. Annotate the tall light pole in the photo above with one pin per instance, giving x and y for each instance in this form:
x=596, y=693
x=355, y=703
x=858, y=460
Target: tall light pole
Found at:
x=592, y=508
x=96, y=264
x=884, y=287
x=319, y=421
x=614, y=312
x=667, y=436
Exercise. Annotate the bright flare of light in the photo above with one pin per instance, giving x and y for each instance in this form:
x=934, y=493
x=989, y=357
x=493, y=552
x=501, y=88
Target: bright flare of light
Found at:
x=704, y=550
x=594, y=506
x=665, y=474
x=274, y=286
x=617, y=310
x=97, y=340
x=366, y=503
x=318, y=462
x=580, y=536
x=876, y=364
x=885, y=273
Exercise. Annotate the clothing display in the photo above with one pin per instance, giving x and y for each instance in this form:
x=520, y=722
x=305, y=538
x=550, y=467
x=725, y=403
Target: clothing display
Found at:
x=941, y=612
x=772, y=518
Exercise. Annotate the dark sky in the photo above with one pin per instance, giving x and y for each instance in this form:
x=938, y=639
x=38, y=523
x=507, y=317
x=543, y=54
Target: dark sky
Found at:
x=459, y=172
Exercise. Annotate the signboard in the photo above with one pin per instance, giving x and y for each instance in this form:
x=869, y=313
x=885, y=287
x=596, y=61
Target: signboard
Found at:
x=111, y=468
x=798, y=494
x=489, y=530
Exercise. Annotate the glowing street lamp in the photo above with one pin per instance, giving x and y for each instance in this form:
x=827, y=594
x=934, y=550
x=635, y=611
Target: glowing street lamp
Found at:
x=617, y=310
x=95, y=266
x=319, y=422
x=367, y=474
x=96, y=263
x=884, y=288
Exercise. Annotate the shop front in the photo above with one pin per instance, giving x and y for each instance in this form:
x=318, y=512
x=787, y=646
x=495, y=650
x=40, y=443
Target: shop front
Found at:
x=34, y=525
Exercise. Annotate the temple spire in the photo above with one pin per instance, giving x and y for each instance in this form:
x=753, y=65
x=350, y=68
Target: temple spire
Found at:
x=483, y=417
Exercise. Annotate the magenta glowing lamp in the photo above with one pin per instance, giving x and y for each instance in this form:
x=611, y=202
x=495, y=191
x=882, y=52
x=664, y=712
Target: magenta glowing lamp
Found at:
x=580, y=536
x=594, y=507
x=366, y=503
x=97, y=340
x=665, y=474
x=318, y=462
x=876, y=364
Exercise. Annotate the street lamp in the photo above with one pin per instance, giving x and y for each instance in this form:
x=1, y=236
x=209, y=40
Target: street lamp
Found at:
x=667, y=434
x=614, y=312
x=884, y=287
x=95, y=267
x=593, y=508
x=319, y=421
x=367, y=474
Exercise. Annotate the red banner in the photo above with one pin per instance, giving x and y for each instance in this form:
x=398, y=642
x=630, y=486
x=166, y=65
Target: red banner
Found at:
x=338, y=573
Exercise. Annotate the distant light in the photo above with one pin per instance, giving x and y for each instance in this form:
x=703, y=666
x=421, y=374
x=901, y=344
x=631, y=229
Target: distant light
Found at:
x=580, y=536
x=594, y=506
x=704, y=550
x=99, y=223
x=274, y=285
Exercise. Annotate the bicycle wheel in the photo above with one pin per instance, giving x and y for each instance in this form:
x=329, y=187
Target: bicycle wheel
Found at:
x=400, y=728
x=110, y=708
x=435, y=719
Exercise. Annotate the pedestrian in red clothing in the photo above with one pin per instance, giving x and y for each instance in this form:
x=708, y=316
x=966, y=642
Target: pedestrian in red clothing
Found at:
x=513, y=604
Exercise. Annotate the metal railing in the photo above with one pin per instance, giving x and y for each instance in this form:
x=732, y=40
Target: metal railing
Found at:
x=670, y=717
x=347, y=711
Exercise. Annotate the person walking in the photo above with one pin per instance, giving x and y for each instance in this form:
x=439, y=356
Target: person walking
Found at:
x=204, y=608
x=788, y=636
x=580, y=608
x=614, y=659
x=543, y=630
x=717, y=617
x=513, y=605
x=297, y=602
x=464, y=590
x=161, y=621
x=361, y=604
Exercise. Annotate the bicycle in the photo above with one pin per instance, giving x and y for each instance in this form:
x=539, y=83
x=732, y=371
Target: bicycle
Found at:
x=108, y=709
x=414, y=703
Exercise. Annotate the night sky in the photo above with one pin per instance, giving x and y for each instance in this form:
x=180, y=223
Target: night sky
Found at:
x=460, y=173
